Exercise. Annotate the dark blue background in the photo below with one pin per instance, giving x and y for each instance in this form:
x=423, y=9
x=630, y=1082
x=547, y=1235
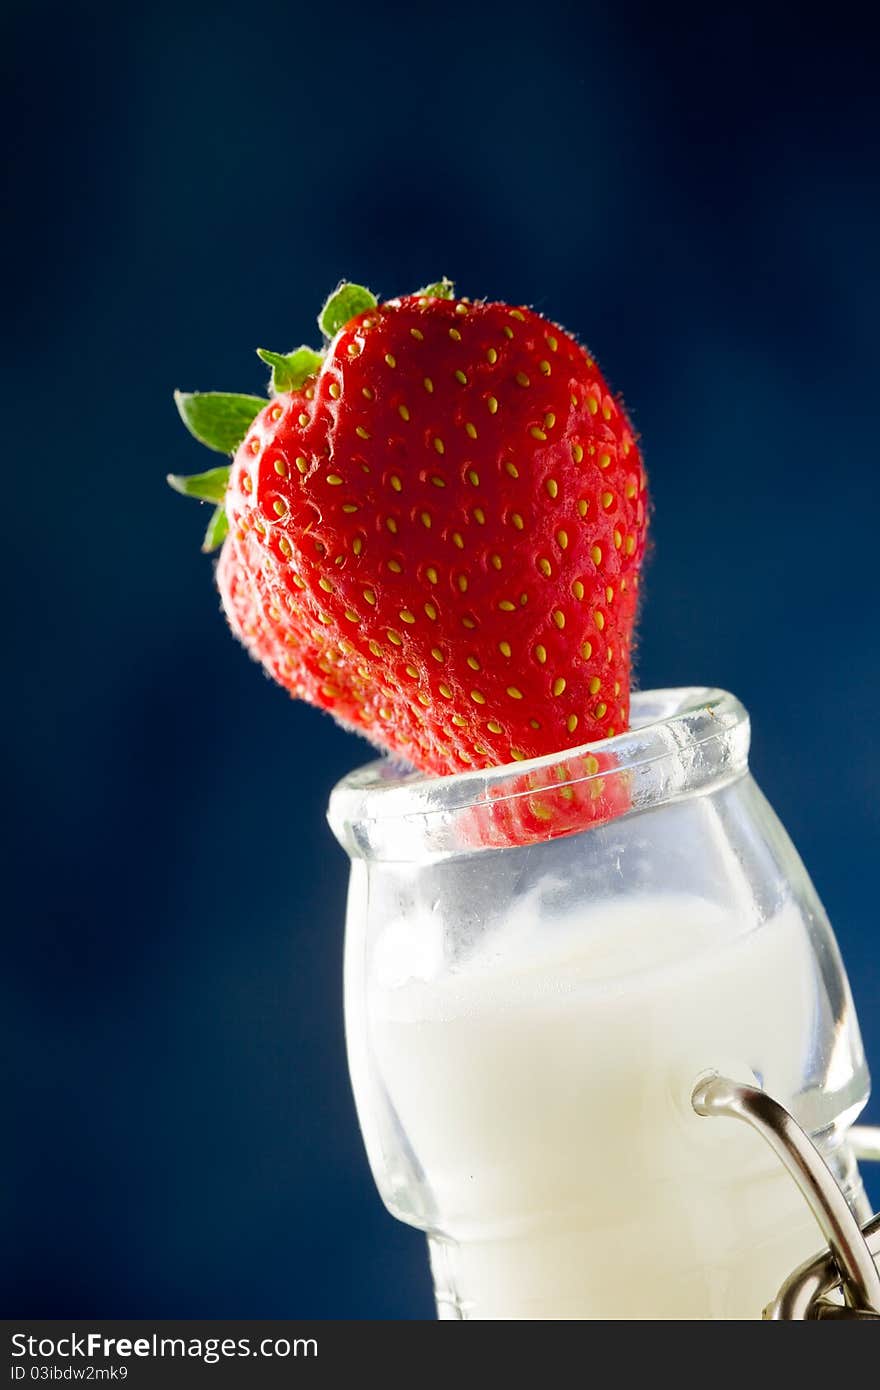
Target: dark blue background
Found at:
x=694, y=194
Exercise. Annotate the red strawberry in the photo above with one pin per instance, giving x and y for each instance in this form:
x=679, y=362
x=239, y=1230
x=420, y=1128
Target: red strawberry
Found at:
x=435, y=530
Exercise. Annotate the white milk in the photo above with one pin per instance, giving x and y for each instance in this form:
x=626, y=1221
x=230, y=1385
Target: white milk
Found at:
x=544, y=1088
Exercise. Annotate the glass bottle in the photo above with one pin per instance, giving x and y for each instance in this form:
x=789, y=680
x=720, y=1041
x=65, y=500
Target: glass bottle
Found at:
x=529, y=1004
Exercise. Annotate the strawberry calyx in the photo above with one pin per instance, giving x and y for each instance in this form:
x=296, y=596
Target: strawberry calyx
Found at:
x=221, y=419
x=218, y=419
x=343, y=305
x=442, y=289
x=290, y=370
x=216, y=531
x=207, y=487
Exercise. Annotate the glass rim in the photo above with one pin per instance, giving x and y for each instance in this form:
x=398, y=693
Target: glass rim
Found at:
x=665, y=724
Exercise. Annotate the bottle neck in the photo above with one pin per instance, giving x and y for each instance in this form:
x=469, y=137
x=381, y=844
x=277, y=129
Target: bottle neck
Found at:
x=682, y=742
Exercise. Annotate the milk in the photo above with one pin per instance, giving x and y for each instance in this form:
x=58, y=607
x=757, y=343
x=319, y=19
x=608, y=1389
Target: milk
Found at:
x=543, y=1084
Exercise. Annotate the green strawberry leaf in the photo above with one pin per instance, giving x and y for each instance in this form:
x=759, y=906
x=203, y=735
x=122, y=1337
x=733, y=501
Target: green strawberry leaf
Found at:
x=345, y=303
x=218, y=528
x=443, y=289
x=291, y=369
x=208, y=487
x=217, y=418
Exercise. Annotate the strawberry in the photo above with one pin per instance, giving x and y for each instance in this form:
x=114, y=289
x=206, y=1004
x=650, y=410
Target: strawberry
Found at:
x=583, y=789
x=435, y=530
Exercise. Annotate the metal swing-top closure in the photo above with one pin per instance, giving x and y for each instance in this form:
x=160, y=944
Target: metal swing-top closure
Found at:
x=849, y=1264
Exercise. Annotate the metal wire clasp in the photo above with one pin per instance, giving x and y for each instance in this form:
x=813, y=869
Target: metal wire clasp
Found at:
x=848, y=1263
